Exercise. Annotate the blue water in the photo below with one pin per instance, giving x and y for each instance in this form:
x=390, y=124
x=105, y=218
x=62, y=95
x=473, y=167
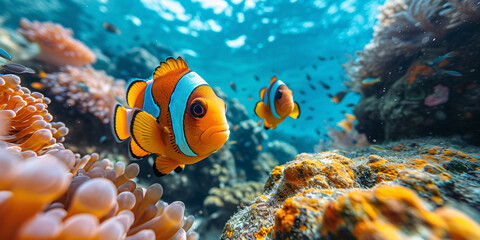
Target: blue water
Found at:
x=233, y=40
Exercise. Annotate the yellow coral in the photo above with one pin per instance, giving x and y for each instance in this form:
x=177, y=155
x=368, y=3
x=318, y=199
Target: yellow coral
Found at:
x=385, y=211
x=384, y=171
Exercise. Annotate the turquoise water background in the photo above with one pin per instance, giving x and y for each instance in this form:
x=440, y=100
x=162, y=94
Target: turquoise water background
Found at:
x=233, y=41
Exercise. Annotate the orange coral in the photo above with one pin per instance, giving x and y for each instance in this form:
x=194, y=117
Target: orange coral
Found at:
x=334, y=172
x=57, y=46
x=30, y=126
x=384, y=171
x=316, y=196
x=458, y=154
x=285, y=216
x=387, y=212
x=88, y=89
x=308, y=207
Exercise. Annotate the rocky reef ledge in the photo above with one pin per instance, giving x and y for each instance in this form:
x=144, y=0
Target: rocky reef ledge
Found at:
x=425, y=188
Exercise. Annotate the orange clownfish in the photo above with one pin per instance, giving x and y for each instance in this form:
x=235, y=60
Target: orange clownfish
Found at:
x=277, y=103
x=175, y=114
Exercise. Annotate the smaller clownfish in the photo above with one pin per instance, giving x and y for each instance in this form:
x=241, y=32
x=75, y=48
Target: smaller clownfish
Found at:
x=277, y=103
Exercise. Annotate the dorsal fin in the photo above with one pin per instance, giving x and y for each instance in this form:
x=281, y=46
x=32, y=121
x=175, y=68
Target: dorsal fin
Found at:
x=134, y=91
x=169, y=66
x=262, y=93
x=273, y=80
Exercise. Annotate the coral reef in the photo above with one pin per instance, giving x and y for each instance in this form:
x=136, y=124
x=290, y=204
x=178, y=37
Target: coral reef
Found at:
x=136, y=62
x=422, y=53
x=405, y=27
x=87, y=89
x=225, y=200
x=57, y=45
x=53, y=193
x=249, y=136
x=410, y=191
x=246, y=139
x=139, y=62
x=345, y=139
x=282, y=151
x=30, y=126
x=387, y=212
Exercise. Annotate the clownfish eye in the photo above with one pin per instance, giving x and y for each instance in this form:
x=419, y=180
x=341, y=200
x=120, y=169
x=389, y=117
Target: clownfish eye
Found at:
x=198, y=109
x=278, y=94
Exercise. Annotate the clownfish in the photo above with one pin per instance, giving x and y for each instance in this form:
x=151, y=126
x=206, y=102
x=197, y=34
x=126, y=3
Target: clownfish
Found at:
x=277, y=103
x=174, y=114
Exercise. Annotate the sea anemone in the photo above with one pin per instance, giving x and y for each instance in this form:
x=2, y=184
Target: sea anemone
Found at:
x=30, y=124
x=60, y=194
x=57, y=46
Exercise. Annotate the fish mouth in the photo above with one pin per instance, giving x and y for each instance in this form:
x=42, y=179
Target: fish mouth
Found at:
x=287, y=107
x=216, y=134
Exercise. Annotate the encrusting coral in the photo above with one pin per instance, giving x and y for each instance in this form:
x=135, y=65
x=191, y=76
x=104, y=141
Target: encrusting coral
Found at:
x=87, y=89
x=30, y=125
x=57, y=46
x=56, y=194
x=409, y=192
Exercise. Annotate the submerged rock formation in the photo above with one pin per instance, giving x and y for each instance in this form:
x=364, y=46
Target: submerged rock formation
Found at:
x=424, y=54
x=409, y=190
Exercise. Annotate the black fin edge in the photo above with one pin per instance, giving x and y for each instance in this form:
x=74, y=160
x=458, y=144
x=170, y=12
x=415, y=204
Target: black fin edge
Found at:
x=134, y=155
x=114, y=118
x=178, y=169
x=134, y=114
x=156, y=172
x=130, y=86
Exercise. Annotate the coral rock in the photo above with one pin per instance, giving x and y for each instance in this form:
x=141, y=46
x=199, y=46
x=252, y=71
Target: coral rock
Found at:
x=401, y=196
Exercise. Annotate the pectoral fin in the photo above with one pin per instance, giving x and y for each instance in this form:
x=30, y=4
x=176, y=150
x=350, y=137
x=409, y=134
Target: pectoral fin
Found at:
x=164, y=166
x=267, y=125
x=260, y=110
x=296, y=111
x=146, y=132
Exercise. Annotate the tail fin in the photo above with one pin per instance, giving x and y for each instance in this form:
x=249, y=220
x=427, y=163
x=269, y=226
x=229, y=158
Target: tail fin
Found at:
x=120, y=123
